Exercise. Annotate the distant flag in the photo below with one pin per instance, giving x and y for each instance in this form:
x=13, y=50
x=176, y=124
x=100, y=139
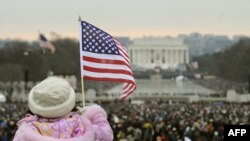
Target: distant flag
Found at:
x=44, y=43
x=103, y=58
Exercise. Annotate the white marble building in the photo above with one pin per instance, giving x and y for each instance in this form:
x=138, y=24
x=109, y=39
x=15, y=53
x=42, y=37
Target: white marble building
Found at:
x=163, y=52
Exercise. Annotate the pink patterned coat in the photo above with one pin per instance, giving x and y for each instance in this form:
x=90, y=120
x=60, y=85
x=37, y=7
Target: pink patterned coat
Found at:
x=92, y=125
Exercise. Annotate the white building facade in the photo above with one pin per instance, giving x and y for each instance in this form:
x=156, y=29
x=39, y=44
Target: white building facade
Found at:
x=163, y=52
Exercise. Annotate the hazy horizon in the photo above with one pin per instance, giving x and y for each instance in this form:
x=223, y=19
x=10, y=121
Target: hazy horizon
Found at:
x=53, y=35
x=124, y=18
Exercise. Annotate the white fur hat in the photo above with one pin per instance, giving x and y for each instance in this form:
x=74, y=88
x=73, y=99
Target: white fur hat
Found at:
x=51, y=98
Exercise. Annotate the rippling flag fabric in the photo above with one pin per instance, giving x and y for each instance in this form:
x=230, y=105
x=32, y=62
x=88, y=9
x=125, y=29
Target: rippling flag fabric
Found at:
x=103, y=58
x=44, y=43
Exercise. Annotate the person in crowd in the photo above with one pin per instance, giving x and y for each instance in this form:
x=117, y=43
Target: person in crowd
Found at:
x=169, y=122
x=52, y=116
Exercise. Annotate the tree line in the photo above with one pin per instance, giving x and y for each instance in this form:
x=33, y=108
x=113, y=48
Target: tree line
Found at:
x=26, y=61
x=233, y=63
x=18, y=57
x=21, y=58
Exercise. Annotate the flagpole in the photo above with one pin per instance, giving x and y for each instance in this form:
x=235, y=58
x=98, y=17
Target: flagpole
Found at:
x=83, y=96
x=81, y=65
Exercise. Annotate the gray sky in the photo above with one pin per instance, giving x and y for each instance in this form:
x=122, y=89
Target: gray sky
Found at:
x=23, y=19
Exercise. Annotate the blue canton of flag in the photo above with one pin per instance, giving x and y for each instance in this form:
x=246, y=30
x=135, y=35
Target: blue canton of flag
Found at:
x=95, y=40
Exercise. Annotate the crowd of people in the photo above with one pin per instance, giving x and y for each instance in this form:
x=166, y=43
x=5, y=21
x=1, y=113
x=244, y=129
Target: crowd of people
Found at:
x=152, y=120
x=147, y=121
x=10, y=113
x=158, y=121
x=222, y=86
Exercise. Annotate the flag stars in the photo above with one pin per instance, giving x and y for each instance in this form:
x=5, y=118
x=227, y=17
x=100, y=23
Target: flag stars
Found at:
x=97, y=41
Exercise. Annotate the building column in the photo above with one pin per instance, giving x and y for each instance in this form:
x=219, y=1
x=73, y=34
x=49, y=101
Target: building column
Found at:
x=134, y=56
x=174, y=56
x=187, y=56
x=167, y=56
x=149, y=56
x=131, y=55
x=177, y=56
x=163, y=57
x=182, y=56
x=140, y=54
x=171, y=56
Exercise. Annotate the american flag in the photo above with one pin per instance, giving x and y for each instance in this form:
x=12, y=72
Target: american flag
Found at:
x=44, y=43
x=103, y=58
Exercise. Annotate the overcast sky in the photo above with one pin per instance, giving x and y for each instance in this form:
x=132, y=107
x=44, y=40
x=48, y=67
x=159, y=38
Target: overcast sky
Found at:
x=23, y=19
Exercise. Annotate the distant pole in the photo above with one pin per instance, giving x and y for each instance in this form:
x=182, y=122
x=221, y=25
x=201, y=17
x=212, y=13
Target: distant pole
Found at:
x=26, y=73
